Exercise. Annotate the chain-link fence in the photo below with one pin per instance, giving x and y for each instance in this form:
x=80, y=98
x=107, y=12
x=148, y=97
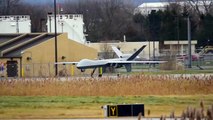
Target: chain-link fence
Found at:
x=198, y=61
x=175, y=62
x=48, y=70
x=37, y=69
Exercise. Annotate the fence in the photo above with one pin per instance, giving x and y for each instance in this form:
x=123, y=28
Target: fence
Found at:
x=204, y=62
x=48, y=70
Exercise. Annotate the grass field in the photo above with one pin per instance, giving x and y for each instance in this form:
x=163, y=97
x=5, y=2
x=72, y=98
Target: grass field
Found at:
x=55, y=98
x=90, y=106
x=132, y=85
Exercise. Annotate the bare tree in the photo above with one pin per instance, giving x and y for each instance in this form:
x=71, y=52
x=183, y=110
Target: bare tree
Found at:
x=38, y=14
x=7, y=6
x=201, y=6
x=115, y=18
x=104, y=19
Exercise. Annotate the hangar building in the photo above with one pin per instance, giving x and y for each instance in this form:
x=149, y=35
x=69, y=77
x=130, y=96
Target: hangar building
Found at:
x=33, y=54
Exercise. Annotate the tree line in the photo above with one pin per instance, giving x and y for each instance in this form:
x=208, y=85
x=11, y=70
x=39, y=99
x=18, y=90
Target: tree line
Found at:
x=171, y=24
x=112, y=19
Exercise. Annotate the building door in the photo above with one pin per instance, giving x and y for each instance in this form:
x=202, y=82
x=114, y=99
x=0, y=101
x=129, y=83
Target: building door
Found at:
x=12, y=68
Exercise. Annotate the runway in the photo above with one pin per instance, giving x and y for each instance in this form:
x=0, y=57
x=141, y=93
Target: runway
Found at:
x=115, y=77
x=127, y=118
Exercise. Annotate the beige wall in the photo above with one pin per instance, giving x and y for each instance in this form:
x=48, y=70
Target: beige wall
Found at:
x=172, y=46
x=43, y=56
x=130, y=47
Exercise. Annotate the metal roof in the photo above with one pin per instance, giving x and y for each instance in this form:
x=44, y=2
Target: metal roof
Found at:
x=13, y=44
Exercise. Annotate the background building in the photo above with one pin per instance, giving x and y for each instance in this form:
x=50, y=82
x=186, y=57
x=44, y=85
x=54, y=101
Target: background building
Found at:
x=147, y=7
x=153, y=50
x=69, y=23
x=179, y=47
x=15, y=24
x=128, y=48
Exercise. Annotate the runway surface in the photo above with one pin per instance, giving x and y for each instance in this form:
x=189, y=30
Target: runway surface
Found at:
x=175, y=76
x=201, y=76
x=128, y=118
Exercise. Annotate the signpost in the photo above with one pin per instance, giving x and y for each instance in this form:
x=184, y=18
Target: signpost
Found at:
x=124, y=110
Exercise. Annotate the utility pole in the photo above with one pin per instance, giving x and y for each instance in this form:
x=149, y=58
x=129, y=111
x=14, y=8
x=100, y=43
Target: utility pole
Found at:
x=56, y=46
x=178, y=35
x=189, y=43
x=153, y=52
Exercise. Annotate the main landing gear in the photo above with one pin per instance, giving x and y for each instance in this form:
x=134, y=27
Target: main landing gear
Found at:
x=92, y=73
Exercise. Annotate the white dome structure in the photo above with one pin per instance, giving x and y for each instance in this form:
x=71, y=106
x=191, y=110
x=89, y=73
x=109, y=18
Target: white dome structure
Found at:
x=147, y=8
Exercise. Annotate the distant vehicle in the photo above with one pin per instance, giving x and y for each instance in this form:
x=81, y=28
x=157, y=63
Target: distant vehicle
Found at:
x=207, y=53
x=204, y=52
x=116, y=62
x=195, y=57
x=207, y=50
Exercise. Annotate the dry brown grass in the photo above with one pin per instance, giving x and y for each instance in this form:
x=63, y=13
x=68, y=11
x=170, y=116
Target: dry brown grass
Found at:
x=193, y=113
x=128, y=85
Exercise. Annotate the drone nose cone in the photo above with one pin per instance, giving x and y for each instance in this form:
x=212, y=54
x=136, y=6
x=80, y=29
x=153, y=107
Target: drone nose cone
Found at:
x=83, y=63
x=80, y=63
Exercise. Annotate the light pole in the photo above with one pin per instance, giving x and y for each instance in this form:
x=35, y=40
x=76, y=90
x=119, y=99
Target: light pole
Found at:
x=149, y=50
x=56, y=47
x=178, y=34
x=153, y=52
x=208, y=42
x=189, y=43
